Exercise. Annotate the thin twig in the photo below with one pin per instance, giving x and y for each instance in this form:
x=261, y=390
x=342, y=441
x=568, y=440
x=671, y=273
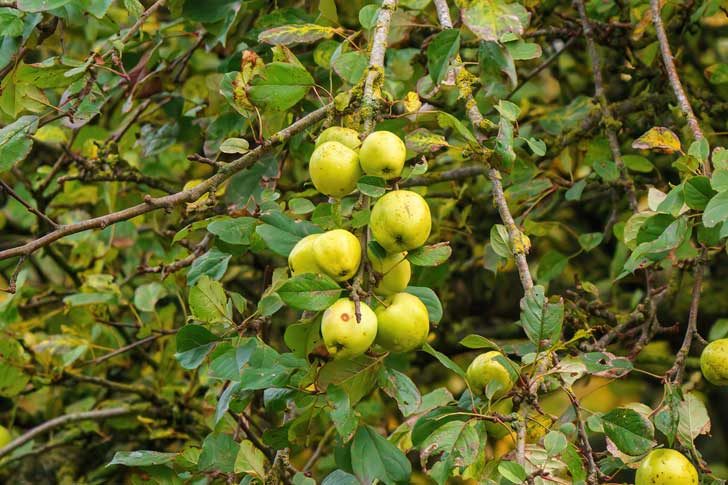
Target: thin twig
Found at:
x=5, y=187
x=669, y=62
x=675, y=374
x=444, y=176
x=127, y=348
x=114, y=386
x=587, y=452
x=63, y=420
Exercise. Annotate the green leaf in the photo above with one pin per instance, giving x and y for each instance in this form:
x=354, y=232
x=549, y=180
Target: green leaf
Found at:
x=512, y=471
x=504, y=143
x=473, y=341
x=15, y=141
x=373, y=457
x=693, y=418
x=213, y=263
x=141, y=458
x=607, y=170
x=540, y=318
x=235, y=145
x=194, y=342
x=719, y=180
x=630, y=431
x=637, y=163
x=146, y=296
x=340, y=477
x=11, y=23
x=455, y=443
x=716, y=211
x=444, y=360
x=538, y=147
x=310, y=292
x=551, y=265
x=698, y=192
x=235, y=231
x=296, y=34
x=400, y=388
x=281, y=233
x=219, y=453
x=350, y=66
x=718, y=330
x=371, y=186
x=590, y=241
x=341, y=414
x=250, y=460
x=446, y=120
x=280, y=86
x=441, y=51
x=672, y=237
x=40, y=5
x=208, y=301
x=554, y=442
x=491, y=19
x=430, y=299
x=356, y=376
x=301, y=206
x=499, y=241
x=423, y=140
x=433, y=255
x=575, y=191
x=521, y=50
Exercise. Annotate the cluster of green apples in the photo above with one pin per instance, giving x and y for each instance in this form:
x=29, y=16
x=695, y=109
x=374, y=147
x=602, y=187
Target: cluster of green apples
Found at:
x=400, y=221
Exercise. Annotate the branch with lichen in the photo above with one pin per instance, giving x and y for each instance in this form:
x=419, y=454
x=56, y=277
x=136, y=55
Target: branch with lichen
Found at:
x=375, y=73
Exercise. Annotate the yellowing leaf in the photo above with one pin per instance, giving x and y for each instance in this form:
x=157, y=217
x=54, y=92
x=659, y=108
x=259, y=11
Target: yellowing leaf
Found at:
x=660, y=139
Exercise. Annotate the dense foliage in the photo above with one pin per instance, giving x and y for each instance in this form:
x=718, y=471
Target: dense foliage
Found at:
x=155, y=179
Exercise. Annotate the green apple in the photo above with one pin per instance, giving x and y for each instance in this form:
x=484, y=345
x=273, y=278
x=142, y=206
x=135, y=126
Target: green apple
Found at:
x=484, y=369
x=395, y=270
x=400, y=221
x=714, y=362
x=403, y=323
x=666, y=467
x=346, y=136
x=500, y=430
x=343, y=336
x=334, y=169
x=337, y=253
x=383, y=154
x=301, y=259
x=5, y=436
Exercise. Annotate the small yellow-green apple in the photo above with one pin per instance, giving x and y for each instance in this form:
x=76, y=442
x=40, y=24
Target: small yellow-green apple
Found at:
x=486, y=368
x=403, y=323
x=346, y=136
x=334, y=169
x=495, y=429
x=400, y=221
x=666, y=467
x=343, y=336
x=714, y=362
x=395, y=271
x=301, y=259
x=382, y=154
x=5, y=436
x=337, y=253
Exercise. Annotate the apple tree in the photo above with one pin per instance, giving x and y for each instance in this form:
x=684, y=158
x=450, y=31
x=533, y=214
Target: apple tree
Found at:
x=354, y=242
